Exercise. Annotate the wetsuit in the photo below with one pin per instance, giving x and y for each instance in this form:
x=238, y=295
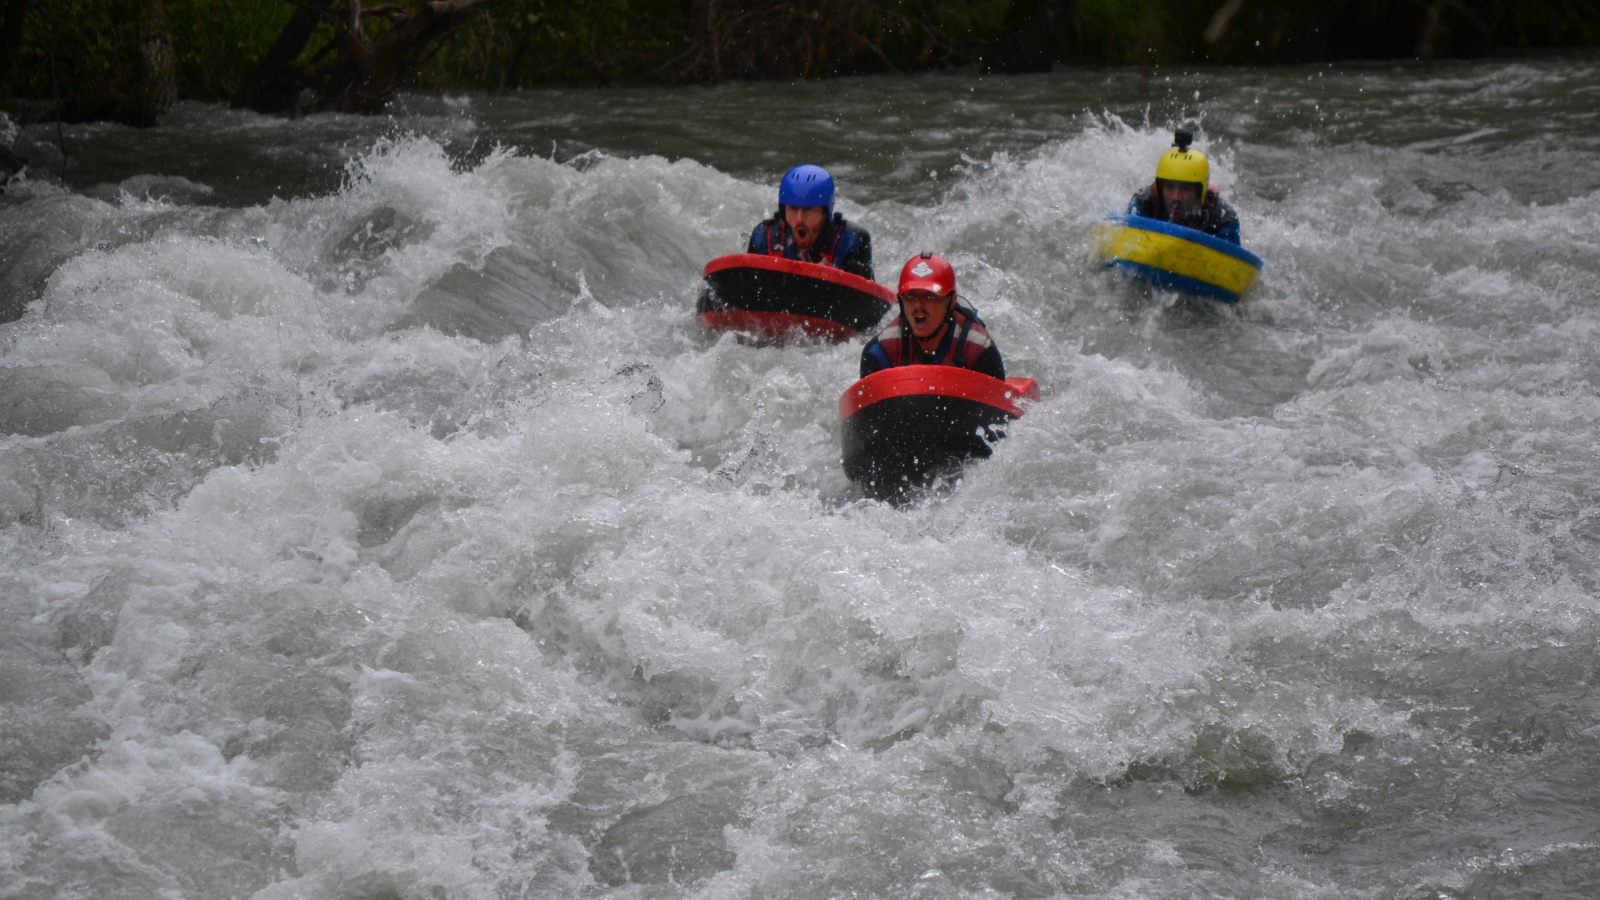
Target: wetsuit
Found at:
x=966, y=343
x=840, y=245
x=1214, y=217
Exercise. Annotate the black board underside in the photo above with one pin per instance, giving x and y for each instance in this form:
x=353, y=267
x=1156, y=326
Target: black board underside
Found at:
x=904, y=443
x=765, y=291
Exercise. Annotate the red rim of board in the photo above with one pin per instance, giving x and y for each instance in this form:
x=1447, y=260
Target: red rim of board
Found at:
x=795, y=267
x=944, y=381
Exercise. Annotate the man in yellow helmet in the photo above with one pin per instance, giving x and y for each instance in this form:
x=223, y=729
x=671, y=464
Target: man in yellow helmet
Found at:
x=1182, y=195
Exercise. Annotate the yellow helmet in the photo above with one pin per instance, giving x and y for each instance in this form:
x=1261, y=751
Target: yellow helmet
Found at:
x=1182, y=164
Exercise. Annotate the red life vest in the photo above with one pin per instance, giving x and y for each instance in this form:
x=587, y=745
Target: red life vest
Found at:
x=827, y=258
x=969, y=342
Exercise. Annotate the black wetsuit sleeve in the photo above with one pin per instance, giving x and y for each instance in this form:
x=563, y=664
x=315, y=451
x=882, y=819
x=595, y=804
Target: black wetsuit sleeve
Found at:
x=989, y=363
x=1143, y=203
x=859, y=260
x=1226, y=223
x=758, y=237
x=873, y=359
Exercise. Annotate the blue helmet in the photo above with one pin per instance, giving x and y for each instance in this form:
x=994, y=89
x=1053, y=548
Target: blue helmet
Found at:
x=807, y=186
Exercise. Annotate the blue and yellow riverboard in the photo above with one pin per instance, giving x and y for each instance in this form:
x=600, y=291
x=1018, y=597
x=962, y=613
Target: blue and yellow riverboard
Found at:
x=1178, y=258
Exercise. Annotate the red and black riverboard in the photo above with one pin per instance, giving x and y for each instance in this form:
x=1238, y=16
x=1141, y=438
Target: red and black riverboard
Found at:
x=775, y=297
x=905, y=426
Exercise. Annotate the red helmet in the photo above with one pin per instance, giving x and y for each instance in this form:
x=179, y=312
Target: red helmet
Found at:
x=927, y=272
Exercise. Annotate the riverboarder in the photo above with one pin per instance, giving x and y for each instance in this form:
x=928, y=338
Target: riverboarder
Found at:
x=943, y=330
x=1182, y=194
x=806, y=228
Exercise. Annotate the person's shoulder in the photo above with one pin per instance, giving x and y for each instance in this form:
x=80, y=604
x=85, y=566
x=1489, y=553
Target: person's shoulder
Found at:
x=874, y=358
x=843, y=224
x=990, y=363
x=1225, y=211
x=758, y=235
x=1143, y=201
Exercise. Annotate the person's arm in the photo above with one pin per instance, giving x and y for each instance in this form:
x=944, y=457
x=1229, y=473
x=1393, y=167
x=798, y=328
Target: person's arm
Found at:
x=763, y=235
x=1142, y=202
x=859, y=260
x=989, y=363
x=873, y=358
x=1227, y=223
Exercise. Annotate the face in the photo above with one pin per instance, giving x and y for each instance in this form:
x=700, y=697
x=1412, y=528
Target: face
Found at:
x=1180, y=197
x=926, y=311
x=806, y=222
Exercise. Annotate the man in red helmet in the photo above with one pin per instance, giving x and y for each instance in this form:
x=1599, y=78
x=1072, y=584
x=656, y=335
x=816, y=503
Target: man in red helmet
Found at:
x=934, y=326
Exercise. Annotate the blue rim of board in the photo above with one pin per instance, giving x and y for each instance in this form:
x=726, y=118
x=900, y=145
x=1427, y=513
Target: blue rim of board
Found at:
x=1193, y=235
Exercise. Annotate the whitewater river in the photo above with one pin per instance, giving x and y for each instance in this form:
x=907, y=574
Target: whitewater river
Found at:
x=379, y=524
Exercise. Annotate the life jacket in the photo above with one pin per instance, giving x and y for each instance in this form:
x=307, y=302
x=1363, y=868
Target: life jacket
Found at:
x=961, y=346
x=776, y=240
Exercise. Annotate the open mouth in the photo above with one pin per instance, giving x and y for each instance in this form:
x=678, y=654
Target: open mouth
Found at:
x=802, y=233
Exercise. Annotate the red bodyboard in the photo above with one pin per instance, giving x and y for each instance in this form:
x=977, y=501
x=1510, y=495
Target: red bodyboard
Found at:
x=774, y=297
x=948, y=381
x=904, y=428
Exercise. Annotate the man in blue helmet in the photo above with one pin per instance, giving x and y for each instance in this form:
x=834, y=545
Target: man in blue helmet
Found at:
x=807, y=229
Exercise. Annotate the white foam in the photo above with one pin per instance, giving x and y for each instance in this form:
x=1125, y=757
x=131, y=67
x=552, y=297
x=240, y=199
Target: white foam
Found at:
x=414, y=540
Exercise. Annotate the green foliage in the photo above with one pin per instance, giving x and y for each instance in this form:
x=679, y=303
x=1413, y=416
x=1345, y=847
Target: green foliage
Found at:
x=219, y=42
x=1553, y=23
x=1114, y=31
x=75, y=48
x=965, y=20
x=587, y=41
x=960, y=30
x=86, y=51
x=524, y=42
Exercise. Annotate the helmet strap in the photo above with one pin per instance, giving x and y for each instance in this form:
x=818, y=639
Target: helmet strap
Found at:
x=939, y=333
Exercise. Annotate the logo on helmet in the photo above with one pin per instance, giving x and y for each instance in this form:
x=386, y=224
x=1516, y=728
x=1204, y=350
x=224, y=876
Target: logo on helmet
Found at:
x=922, y=270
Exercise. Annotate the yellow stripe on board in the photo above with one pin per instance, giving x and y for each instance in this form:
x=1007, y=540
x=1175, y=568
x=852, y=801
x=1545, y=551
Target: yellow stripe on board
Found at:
x=1176, y=255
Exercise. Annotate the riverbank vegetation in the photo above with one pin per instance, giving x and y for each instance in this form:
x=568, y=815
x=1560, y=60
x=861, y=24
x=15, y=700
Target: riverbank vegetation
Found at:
x=126, y=60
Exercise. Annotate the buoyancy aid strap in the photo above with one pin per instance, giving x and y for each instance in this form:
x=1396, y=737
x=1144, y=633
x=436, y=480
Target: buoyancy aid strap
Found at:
x=780, y=227
x=838, y=235
x=959, y=351
x=951, y=355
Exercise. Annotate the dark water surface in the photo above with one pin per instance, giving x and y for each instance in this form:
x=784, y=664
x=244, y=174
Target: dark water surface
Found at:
x=379, y=523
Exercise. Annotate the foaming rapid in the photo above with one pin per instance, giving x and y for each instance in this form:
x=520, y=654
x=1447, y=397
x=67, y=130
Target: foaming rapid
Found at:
x=400, y=533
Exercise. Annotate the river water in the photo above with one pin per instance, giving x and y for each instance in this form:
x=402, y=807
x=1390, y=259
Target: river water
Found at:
x=379, y=523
